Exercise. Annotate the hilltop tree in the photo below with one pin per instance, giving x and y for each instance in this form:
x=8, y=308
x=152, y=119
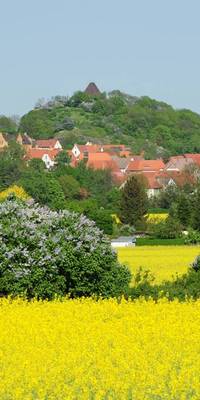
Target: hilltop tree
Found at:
x=134, y=201
x=7, y=124
x=37, y=124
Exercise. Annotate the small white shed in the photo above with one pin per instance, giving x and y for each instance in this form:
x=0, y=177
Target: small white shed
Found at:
x=123, y=241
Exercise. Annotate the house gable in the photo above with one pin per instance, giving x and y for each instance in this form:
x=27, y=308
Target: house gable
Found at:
x=75, y=151
x=48, y=144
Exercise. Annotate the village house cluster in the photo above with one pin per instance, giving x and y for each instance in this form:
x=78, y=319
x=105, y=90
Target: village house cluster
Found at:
x=118, y=158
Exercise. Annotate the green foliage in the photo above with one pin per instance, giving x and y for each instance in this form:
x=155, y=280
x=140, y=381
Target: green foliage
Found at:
x=62, y=158
x=45, y=253
x=125, y=230
x=184, y=210
x=184, y=287
x=37, y=124
x=37, y=165
x=44, y=188
x=11, y=165
x=70, y=186
x=196, y=264
x=89, y=207
x=113, y=200
x=134, y=201
x=7, y=124
x=170, y=228
x=193, y=237
x=67, y=124
x=78, y=97
x=142, y=123
x=157, y=211
x=82, y=206
x=196, y=211
x=150, y=241
x=102, y=218
x=168, y=196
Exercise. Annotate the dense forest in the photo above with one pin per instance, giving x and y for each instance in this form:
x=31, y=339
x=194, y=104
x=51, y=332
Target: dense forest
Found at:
x=141, y=123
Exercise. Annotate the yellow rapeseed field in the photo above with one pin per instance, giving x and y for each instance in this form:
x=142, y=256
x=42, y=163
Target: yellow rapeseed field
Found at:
x=87, y=350
x=162, y=261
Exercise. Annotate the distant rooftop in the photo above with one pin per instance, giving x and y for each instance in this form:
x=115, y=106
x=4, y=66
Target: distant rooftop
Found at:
x=92, y=89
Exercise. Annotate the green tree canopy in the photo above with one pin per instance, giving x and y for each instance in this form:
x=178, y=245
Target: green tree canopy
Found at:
x=11, y=165
x=44, y=188
x=7, y=124
x=38, y=124
x=70, y=186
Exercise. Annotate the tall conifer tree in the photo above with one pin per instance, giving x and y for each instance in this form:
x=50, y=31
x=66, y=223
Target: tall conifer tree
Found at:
x=134, y=202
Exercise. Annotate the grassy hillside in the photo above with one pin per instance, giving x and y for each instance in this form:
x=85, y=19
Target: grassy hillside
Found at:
x=142, y=123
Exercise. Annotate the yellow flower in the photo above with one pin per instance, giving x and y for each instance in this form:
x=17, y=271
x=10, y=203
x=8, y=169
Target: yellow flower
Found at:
x=156, y=218
x=18, y=191
x=162, y=261
x=116, y=219
x=84, y=350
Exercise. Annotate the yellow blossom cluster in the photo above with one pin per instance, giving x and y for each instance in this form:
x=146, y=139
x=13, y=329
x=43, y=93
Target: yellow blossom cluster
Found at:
x=18, y=191
x=163, y=261
x=105, y=350
x=116, y=218
x=156, y=218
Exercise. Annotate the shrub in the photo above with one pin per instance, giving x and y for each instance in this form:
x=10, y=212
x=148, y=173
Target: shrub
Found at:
x=167, y=229
x=44, y=188
x=70, y=186
x=103, y=219
x=45, y=253
x=182, y=287
x=193, y=237
x=196, y=264
x=126, y=230
x=149, y=241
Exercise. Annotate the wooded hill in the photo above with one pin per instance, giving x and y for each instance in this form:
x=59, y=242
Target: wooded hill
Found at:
x=141, y=123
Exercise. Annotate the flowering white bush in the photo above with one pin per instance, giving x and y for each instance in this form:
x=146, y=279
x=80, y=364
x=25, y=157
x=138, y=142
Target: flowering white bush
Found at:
x=44, y=253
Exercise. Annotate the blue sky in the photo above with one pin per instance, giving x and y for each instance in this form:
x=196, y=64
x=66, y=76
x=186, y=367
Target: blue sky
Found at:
x=142, y=47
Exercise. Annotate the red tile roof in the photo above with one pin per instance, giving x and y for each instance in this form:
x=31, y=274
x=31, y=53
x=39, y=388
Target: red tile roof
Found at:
x=152, y=180
x=101, y=161
x=118, y=177
x=182, y=161
x=159, y=180
x=90, y=148
x=178, y=163
x=180, y=178
x=145, y=165
x=46, y=144
x=39, y=153
x=194, y=157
